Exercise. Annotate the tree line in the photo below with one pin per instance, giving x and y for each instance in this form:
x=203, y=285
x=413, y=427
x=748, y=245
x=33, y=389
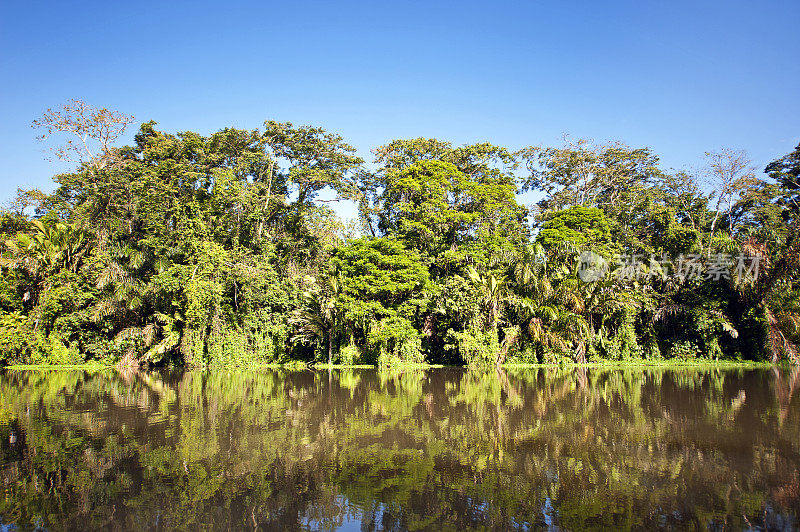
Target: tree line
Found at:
x=184, y=249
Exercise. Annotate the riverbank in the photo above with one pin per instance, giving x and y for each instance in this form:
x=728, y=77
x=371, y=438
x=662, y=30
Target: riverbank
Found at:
x=295, y=365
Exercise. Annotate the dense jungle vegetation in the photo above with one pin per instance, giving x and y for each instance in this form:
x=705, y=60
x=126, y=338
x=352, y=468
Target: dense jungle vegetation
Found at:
x=184, y=249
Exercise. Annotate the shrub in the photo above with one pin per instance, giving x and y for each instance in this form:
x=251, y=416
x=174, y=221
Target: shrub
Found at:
x=17, y=339
x=685, y=350
x=240, y=347
x=396, y=341
x=349, y=355
x=477, y=348
x=524, y=353
x=626, y=338
x=54, y=351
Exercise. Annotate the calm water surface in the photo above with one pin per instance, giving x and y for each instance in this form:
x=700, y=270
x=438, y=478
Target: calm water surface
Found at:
x=444, y=449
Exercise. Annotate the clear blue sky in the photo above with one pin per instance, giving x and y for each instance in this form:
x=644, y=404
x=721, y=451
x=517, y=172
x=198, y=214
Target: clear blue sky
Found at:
x=680, y=77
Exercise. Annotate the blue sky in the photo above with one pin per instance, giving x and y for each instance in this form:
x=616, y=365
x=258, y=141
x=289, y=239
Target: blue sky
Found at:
x=680, y=77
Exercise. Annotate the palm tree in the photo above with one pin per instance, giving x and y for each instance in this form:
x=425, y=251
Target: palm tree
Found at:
x=784, y=326
x=124, y=297
x=555, y=327
x=50, y=248
x=770, y=291
x=552, y=300
x=120, y=279
x=494, y=294
x=319, y=316
x=168, y=328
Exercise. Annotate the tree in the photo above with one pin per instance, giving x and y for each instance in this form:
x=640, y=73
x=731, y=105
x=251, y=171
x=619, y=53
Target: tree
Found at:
x=767, y=301
x=786, y=171
x=580, y=226
x=447, y=214
x=433, y=207
x=494, y=295
x=320, y=316
x=475, y=181
x=53, y=246
x=317, y=159
x=548, y=307
x=681, y=192
x=216, y=249
x=89, y=131
x=585, y=174
x=729, y=173
x=380, y=279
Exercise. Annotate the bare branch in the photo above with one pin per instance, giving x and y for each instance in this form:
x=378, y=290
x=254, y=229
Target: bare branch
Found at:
x=87, y=132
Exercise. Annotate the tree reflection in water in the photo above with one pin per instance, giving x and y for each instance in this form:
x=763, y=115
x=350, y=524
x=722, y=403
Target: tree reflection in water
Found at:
x=439, y=449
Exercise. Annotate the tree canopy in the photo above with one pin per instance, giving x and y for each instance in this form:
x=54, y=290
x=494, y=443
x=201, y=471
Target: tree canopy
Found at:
x=187, y=249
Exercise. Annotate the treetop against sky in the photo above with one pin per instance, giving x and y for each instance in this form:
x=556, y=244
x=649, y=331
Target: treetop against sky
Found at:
x=680, y=77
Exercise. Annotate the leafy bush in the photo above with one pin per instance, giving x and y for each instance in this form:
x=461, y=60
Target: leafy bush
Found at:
x=349, y=355
x=17, y=339
x=650, y=349
x=19, y=344
x=685, y=350
x=629, y=347
x=248, y=346
x=577, y=225
x=477, y=347
x=54, y=351
x=396, y=341
x=524, y=353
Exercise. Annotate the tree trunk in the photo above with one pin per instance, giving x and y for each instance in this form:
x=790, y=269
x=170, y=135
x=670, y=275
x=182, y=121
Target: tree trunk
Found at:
x=508, y=341
x=330, y=347
x=711, y=233
x=580, y=353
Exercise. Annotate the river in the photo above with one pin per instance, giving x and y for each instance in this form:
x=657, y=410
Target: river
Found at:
x=442, y=449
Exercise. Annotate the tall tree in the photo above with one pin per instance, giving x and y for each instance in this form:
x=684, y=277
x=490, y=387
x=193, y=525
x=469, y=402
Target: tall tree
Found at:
x=729, y=174
x=87, y=132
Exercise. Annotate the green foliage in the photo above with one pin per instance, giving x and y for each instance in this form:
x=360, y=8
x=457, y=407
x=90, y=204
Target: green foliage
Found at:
x=54, y=351
x=349, y=355
x=395, y=342
x=184, y=249
x=18, y=342
x=233, y=347
x=380, y=278
x=433, y=206
x=477, y=347
x=684, y=350
x=627, y=339
x=786, y=171
x=578, y=226
x=673, y=237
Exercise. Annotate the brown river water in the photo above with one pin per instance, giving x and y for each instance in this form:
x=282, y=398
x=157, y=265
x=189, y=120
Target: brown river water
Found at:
x=441, y=449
